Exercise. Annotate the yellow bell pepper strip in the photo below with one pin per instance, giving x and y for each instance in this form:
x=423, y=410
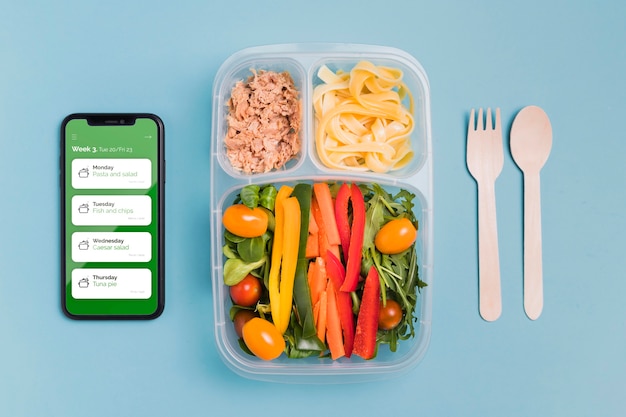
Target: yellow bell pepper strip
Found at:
x=277, y=253
x=367, y=321
x=291, y=241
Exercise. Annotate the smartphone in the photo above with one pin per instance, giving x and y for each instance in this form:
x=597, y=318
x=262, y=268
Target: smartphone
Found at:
x=112, y=216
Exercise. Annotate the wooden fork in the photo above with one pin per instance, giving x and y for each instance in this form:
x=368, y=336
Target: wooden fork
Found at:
x=484, y=160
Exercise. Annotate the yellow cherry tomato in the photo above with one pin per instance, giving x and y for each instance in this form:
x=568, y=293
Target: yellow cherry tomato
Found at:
x=395, y=236
x=263, y=338
x=243, y=221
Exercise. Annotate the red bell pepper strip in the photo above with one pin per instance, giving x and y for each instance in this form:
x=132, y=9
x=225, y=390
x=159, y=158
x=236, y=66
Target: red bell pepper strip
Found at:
x=337, y=274
x=353, y=263
x=367, y=321
x=341, y=215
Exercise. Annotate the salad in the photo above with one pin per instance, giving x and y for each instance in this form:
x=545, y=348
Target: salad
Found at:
x=321, y=269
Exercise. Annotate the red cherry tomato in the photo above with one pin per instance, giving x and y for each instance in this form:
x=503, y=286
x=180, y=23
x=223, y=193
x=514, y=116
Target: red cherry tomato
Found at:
x=241, y=318
x=395, y=236
x=389, y=315
x=247, y=292
x=243, y=221
x=263, y=339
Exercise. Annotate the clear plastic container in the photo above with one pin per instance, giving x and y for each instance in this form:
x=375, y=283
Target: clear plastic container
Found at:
x=303, y=61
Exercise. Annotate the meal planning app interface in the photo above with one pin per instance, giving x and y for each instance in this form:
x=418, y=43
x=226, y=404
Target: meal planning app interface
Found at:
x=111, y=217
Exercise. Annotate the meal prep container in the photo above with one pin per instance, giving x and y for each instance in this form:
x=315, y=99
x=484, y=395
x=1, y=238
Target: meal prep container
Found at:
x=302, y=61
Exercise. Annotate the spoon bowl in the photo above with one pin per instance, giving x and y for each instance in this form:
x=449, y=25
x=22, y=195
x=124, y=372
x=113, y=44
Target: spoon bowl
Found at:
x=531, y=139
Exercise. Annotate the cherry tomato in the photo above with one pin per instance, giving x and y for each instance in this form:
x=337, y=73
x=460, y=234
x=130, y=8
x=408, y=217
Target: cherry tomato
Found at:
x=241, y=318
x=243, y=221
x=263, y=338
x=395, y=236
x=247, y=292
x=389, y=315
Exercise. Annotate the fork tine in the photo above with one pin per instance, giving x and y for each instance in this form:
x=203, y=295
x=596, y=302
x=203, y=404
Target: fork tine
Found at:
x=471, y=123
x=479, y=125
x=498, y=121
x=488, y=121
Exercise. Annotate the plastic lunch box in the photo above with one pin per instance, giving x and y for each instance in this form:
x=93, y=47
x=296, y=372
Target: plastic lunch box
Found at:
x=302, y=61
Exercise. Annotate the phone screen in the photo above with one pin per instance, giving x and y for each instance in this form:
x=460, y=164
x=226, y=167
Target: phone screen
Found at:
x=112, y=216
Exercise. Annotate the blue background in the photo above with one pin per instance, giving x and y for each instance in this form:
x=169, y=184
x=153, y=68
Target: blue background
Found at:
x=568, y=57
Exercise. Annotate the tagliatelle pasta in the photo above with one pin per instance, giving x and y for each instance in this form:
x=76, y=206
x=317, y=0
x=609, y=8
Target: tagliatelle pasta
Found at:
x=361, y=121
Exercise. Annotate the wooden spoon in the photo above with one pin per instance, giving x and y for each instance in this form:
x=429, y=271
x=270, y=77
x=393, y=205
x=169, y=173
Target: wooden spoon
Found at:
x=531, y=142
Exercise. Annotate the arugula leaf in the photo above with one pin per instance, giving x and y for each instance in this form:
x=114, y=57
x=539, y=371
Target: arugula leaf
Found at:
x=398, y=273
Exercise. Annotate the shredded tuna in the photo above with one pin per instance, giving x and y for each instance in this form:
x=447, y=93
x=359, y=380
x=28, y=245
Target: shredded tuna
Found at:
x=264, y=120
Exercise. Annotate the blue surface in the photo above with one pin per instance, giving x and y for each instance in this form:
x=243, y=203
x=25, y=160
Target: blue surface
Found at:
x=567, y=57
